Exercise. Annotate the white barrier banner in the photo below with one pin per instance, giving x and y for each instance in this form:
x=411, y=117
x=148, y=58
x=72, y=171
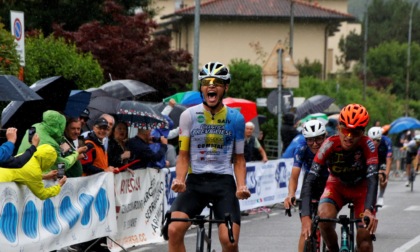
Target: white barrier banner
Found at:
x=84, y=210
x=139, y=207
x=268, y=183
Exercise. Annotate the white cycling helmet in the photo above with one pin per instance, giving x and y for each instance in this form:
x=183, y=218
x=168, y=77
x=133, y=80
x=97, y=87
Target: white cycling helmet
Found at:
x=313, y=128
x=375, y=133
x=215, y=70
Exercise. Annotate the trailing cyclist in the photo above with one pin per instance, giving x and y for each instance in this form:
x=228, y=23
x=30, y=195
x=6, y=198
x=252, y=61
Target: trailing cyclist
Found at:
x=413, y=151
x=211, y=137
x=314, y=132
x=384, y=147
x=352, y=161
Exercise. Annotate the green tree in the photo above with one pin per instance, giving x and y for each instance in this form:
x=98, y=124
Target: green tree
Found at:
x=9, y=58
x=69, y=13
x=388, y=65
x=46, y=57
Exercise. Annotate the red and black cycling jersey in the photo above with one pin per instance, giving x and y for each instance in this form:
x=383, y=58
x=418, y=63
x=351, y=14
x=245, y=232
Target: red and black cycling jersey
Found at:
x=349, y=166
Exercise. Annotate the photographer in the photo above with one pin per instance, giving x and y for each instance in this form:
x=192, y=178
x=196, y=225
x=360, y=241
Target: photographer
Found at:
x=51, y=131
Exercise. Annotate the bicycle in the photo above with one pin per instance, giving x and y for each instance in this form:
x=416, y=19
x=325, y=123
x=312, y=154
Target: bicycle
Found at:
x=412, y=177
x=320, y=244
x=200, y=221
x=347, y=223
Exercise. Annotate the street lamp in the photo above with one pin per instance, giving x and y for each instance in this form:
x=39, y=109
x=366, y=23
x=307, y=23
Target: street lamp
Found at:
x=407, y=79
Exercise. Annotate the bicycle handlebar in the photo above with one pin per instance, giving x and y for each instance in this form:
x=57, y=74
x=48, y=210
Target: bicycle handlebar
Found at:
x=343, y=220
x=199, y=220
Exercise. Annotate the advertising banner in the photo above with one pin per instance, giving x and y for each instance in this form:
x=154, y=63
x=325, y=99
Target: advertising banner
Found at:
x=84, y=210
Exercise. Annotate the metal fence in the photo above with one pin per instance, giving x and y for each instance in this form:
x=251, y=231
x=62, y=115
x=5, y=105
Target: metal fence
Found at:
x=270, y=147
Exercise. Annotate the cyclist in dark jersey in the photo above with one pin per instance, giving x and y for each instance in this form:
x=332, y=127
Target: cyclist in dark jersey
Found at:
x=352, y=161
x=384, y=146
x=314, y=132
x=211, y=138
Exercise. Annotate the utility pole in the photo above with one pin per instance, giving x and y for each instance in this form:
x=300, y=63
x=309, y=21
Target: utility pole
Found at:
x=292, y=27
x=365, y=42
x=196, y=44
x=279, y=98
x=407, y=79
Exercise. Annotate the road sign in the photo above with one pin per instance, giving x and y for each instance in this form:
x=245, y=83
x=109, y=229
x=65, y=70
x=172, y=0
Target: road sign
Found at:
x=18, y=30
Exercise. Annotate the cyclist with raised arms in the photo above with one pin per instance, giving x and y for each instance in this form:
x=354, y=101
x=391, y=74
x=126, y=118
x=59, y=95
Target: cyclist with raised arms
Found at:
x=211, y=137
x=413, y=150
x=384, y=146
x=352, y=160
x=314, y=132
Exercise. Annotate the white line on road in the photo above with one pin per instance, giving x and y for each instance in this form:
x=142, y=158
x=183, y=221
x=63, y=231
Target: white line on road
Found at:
x=408, y=245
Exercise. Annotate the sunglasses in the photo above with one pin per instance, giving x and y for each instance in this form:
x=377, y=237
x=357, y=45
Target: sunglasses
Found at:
x=213, y=81
x=351, y=132
x=318, y=140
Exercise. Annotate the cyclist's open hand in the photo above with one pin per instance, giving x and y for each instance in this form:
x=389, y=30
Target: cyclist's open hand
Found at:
x=306, y=227
x=242, y=192
x=178, y=186
x=373, y=223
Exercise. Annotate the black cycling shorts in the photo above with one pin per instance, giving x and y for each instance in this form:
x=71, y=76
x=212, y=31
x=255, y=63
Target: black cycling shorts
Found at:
x=202, y=189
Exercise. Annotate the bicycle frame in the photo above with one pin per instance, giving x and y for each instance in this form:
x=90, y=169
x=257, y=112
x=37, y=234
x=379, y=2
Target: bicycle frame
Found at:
x=200, y=221
x=347, y=223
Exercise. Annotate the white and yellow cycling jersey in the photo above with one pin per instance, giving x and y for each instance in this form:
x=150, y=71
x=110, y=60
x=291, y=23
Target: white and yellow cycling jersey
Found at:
x=211, y=139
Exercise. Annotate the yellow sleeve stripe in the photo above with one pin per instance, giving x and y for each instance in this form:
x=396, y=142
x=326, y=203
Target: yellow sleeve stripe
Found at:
x=184, y=143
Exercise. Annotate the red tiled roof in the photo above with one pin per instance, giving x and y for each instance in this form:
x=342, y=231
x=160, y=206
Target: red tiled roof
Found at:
x=263, y=9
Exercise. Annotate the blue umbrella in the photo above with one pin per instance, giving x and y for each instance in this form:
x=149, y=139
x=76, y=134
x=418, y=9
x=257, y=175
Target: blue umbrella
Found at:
x=404, y=125
x=403, y=119
x=77, y=102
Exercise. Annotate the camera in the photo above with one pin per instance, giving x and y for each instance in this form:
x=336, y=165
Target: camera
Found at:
x=61, y=170
x=81, y=141
x=31, y=133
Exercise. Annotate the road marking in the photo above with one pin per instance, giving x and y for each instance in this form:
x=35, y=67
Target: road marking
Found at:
x=408, y=245
x=412, y=208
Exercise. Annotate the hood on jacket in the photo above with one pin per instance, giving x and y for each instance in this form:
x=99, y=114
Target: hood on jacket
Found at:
x=54, y=124
x=46, y=156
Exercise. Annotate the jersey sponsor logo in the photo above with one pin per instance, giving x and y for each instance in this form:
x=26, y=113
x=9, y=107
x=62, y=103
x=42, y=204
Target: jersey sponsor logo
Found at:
x=217, y=146
x=223, y=121
x=339, y=169
x=211, y=129
x=200, y=119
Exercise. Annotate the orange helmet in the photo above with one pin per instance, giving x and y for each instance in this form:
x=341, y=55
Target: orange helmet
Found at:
x=385, y=129
x=354, y=116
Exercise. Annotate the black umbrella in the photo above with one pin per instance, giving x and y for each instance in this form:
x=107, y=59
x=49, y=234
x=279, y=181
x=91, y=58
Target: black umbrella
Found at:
x=175, y=113
x=127, y=89
x=96, y=92
x=22, y=115
x=102, y=105
x=141, y=115
x=12, y=89
x=314, y=104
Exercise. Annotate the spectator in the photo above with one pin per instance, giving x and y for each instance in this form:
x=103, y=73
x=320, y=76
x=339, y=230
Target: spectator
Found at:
x=253, y=150
x=51, y=131
x=96, y=160
x=140, y=148
x=155, y=145
x=31, y=173
x=71, y=135
x=288, y=130
x=118, y=152
x=261, y=138
x=6, y=151
x=83, y=118
x=111, y=121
